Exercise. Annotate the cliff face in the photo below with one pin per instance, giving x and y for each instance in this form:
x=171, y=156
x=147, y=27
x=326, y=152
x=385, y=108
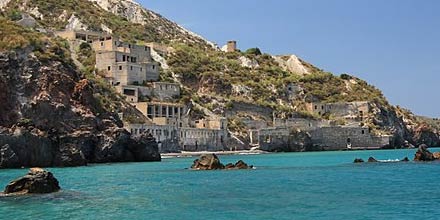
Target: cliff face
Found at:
x=51, y=115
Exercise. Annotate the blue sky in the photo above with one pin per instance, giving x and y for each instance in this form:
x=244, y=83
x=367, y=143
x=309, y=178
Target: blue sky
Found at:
x=393, y=44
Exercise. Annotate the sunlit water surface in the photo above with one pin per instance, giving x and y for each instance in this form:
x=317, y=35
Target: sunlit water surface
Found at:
x=318, y=185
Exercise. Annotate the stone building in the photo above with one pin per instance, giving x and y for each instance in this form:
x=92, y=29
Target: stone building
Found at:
x=123, y=63
x=219, y=124
x=231, y=46
x=164, y=112
x=162, y=50
x=158, y=90
x=347, y=110
x=197, y=139
x=87, y=36
x=293, y=91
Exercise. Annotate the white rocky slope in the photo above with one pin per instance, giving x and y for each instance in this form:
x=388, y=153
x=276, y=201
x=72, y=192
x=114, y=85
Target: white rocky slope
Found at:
x=135, y=13
x=3, y=3
x=292, y=64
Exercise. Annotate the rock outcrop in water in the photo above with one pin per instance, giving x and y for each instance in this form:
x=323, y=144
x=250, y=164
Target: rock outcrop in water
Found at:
x=372, y=160
x=212, y=162
x=36, y=181
x=423, y=154
x=358, y=160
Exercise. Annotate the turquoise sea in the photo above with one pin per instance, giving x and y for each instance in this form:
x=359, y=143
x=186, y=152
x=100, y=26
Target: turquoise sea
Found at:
x=315, y=185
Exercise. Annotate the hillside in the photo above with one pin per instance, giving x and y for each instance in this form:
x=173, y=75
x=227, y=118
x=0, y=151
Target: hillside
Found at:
x=241, y=85
x=54, y=115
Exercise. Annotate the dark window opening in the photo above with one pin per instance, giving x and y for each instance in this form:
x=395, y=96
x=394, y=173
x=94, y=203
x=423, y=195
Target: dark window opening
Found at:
x=109, y=68
x=129, y=92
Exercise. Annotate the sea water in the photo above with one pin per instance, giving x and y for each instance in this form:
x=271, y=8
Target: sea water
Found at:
x=313, y=185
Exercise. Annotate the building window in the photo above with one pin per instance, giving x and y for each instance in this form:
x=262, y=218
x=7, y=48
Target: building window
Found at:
x=154, y=67
x=131, y=67
x=363, y=132
x=102, y=44
x=123, y=58
x=129, y=45
x=109, y=68
x=120, y=67
x=316, y=107
x=141, y=69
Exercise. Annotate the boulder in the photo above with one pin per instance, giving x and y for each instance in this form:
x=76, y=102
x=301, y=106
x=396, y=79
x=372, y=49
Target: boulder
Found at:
x=207, y=162
x=241, y=165
x=423, y=154
x=358, y=160
x=36, y=181
x=212, y=162
x=372, y=160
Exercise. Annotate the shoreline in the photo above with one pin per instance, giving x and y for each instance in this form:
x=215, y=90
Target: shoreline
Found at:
x=199, y=153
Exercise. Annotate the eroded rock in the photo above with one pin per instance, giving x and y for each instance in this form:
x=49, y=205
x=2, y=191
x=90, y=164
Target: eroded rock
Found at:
x=36, y=181
x=423, y=154
x=212, y=162
x=372, y=160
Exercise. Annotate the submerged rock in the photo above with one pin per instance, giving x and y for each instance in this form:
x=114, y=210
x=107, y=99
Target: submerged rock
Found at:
x=36, y=181
x=405, y=159
x=358, y=160
x=372, y=160
x=423, y=154
x=212, y=162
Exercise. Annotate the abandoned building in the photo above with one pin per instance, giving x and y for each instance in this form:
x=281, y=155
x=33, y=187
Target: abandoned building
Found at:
x=347, y=110
x=326, y=138
x=123, y=63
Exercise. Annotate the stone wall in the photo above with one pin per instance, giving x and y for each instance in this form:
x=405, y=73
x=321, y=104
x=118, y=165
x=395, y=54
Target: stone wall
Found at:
x=338, y=138
x=304, y=124
x=249, y=109
x=167, y=136
x=349, y=110
x=284, y=139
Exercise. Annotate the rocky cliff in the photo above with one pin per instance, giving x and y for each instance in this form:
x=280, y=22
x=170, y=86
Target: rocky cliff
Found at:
x=52, y=115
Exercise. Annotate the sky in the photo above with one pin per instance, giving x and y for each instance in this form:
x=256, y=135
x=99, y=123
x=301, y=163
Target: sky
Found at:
x=393, y=44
